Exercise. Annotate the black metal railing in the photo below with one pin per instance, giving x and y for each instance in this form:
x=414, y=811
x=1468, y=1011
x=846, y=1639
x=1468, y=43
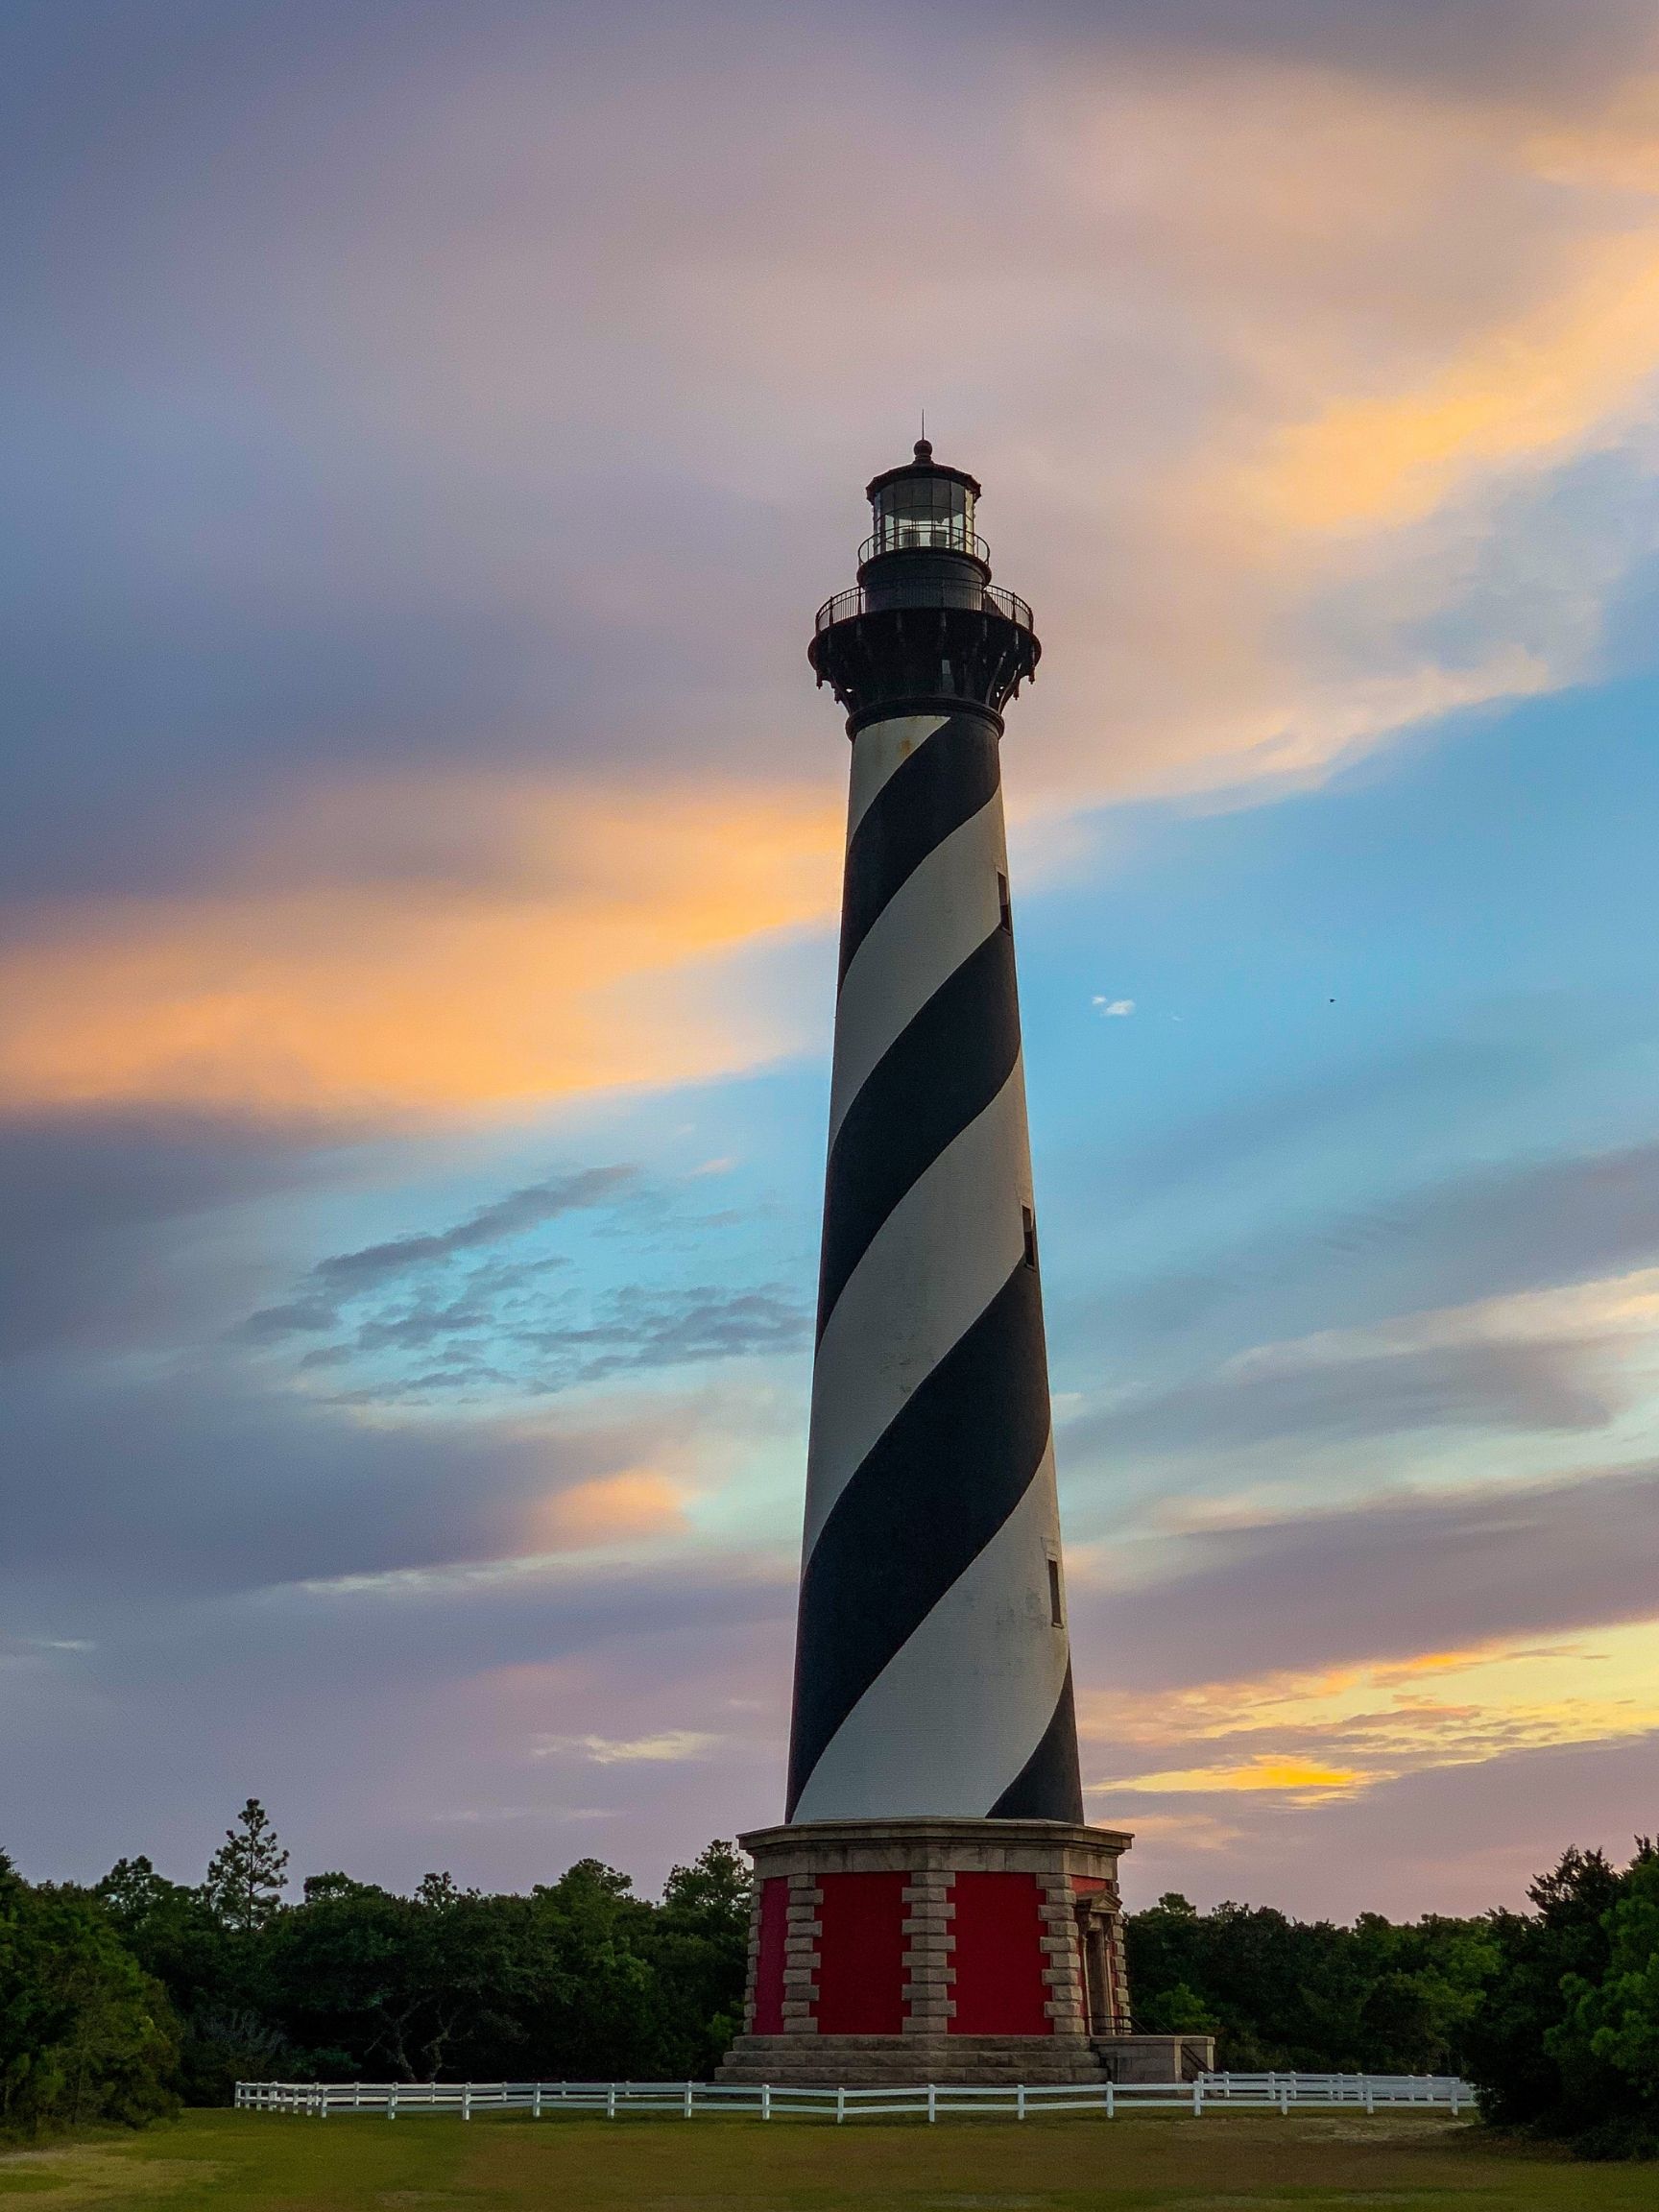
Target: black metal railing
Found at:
x=922, y=534
x=925, y=592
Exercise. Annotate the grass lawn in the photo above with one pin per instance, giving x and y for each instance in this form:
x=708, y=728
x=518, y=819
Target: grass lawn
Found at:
x=229, y=2161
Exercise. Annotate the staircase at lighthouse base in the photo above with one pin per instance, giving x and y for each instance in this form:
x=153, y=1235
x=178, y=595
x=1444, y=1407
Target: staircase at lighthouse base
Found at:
x=953, y=1951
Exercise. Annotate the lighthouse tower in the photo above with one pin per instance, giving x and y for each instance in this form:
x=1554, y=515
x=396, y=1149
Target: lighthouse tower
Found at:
x=934, y=1908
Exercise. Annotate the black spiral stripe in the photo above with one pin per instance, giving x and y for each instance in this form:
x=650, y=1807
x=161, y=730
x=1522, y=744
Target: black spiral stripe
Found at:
x=939, y=1075
x=1049, y=1787
x=924, y=1503
x=942, y=783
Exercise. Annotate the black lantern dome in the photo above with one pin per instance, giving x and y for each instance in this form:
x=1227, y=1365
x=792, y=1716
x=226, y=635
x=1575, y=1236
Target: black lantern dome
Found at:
x=924, y=627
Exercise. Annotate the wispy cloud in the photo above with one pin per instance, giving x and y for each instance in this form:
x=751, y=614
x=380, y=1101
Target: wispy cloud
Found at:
x=337, y=1281
x=669, y=1749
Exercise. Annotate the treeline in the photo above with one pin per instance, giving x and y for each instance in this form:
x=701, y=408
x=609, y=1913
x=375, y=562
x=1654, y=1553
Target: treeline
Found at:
x=119, y=2000
x=1552, y=2014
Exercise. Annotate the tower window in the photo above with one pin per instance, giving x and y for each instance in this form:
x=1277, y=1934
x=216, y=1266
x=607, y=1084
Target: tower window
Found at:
x=1028, y=1221
x=1054, y=1614
x=1005, y=907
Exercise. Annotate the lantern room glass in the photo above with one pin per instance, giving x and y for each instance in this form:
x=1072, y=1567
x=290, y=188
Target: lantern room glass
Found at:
x=922, y=511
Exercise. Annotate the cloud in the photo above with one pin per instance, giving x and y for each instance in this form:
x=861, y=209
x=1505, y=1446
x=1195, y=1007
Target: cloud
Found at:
x=353, y=1273
x=1569, y=366
x=615, y=1508
x=445, y=531
x=1390, y=1391
x=349, y=1276
x=1115, y=1009
x=1307, y=1738
x=104, y=1216
x=503, y=1329
x=1302, y=1781
x=1485, y=1232
x=579, y=962
x=165, y=1476
x=1389, y=1579
x=671, y=1747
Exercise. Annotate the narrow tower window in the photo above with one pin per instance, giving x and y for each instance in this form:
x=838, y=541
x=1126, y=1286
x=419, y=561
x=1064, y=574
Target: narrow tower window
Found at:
x=1028, y=1221
x=1054, y=1593
x=1004, y=907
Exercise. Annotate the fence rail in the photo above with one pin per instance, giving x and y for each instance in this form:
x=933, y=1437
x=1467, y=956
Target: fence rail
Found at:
x=1284, y=2093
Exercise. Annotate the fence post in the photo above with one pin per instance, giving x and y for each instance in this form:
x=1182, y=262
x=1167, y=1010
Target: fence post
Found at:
x=1020, y=2101
x=466, y=2101
x=391, y=2102
x=1456, y=2087
x=841, y=2105
x=1110, y=2101
x=932, y=2102
x=536, y=2101
x=1370, y=2095
x=766, y=2099
x=688, y=2099
x=611, y=2102
x=1197, y=2096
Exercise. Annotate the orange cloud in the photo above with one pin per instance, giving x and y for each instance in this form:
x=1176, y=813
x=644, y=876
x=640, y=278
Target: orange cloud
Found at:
x=1342, y=1730
x=1304, y=1781
x=1548, y=379
x=568, y=943
x=612, y=1509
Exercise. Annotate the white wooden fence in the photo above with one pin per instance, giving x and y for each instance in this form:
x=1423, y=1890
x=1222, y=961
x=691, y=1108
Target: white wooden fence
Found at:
x=1284, y=2093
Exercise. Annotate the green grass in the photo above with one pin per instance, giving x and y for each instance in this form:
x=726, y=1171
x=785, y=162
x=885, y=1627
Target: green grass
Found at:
x=1235, y=2162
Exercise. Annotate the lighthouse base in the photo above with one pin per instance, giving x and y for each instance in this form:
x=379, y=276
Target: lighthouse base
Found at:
x=942, y=1950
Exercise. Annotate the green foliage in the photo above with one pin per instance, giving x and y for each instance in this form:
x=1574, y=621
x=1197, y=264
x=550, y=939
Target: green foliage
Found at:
x=1553, y=2013
x=1607, y=2043
x=1276, y=1992
x=1533, y=2054
x=85, y=2034
x=578, y=1978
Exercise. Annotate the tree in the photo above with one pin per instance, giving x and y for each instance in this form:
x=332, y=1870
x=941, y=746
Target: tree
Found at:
x=1521, y=2081
x=85, y=2034
x=249, y=1872
x=1612, y=2025
x=698, y=1945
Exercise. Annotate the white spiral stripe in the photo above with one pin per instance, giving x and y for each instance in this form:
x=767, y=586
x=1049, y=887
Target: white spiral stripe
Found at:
x=929, y=1273
x=957, y=1711
x=877, y=751
x=940, y=914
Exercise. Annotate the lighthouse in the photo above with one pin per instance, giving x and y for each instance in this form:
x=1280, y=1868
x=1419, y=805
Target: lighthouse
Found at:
x=933, y=1907
x=932, y=1672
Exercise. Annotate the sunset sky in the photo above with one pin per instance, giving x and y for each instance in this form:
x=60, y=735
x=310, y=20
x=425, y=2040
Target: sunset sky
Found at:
x=429, y=428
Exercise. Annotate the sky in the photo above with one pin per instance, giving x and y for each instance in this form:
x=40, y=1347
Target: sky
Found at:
x=428, y=428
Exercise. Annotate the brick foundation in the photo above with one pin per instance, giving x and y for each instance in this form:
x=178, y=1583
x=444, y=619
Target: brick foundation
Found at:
x=1015, y=1925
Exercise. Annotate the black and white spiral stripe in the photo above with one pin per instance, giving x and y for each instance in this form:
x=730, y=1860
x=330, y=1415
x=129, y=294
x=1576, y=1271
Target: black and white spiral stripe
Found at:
x=931, y=1676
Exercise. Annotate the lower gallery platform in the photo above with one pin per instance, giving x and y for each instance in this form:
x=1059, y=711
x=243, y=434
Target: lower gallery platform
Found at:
x=943, y=1950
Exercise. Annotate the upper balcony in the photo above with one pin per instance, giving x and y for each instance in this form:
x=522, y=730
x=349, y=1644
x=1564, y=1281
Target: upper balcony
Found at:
x=966, y=593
